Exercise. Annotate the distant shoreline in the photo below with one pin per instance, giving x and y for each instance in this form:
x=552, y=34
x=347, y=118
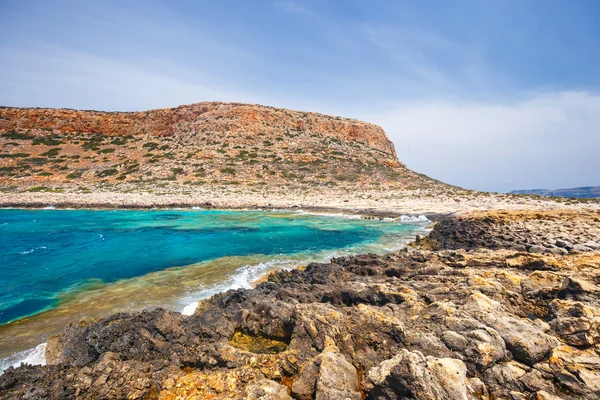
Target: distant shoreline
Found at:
x=375, y=214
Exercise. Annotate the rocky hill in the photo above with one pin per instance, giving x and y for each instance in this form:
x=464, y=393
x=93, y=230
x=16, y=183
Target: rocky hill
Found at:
x=195, y=144
x=587, y=192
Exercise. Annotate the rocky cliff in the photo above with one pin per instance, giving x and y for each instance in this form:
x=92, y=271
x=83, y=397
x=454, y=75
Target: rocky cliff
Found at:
x=196, y=144
x=485, y=307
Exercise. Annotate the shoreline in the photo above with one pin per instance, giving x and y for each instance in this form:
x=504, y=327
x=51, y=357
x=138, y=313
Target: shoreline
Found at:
x=185, y=297
x=367, y=204
x=326, y=211
x=481, y=296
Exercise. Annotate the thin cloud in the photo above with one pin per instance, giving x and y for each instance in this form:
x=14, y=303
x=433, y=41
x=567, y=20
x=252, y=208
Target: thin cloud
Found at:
x=548, y=140
x=95, y=82
x=292, y=8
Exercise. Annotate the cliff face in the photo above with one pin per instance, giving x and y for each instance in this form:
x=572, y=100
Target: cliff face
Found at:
x=201, y=118
x=198, y=143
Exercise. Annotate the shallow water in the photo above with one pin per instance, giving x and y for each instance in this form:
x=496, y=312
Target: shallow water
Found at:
x=58, y=266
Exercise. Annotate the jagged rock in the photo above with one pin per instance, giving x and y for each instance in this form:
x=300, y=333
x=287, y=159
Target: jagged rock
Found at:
x=337, y=377
x=581, y=248
x=592, y=245
x=538, y=249
x=527, y=342
x=411, y=324
x=267, y=390
x=574, y=331
x=410, y=374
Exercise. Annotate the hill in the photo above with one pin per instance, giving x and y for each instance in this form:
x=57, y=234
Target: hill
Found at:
x=197, y=144
x=587, y=192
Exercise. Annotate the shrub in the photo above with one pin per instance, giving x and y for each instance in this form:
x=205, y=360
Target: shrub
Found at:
x=177, y=171
x=150, y=145
x=15, y=155
x=38, y=160
x=15, y=135
x=107, y=172
x=106, y=151
x=51, y=153
x=119, y=141
x=228, y=170
x=74, y=175
x=38, y=189
x=47, y=141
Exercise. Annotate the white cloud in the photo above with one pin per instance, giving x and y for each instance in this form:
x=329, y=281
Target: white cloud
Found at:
x=75, y=79
x=548, y=140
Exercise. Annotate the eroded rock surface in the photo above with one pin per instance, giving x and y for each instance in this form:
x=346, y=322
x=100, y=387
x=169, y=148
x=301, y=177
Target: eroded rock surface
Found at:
x=459, y=321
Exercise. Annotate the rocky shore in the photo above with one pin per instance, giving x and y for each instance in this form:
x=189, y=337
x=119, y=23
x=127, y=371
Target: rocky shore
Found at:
x=491, y=305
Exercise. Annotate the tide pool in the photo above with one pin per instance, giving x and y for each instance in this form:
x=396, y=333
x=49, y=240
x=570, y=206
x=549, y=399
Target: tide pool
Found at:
x=57, y=266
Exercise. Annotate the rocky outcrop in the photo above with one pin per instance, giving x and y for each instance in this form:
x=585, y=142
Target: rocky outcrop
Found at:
x=419, y=324
x=234, y=118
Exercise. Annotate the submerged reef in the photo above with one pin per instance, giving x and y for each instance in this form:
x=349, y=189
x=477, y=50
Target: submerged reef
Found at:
x=496, y=305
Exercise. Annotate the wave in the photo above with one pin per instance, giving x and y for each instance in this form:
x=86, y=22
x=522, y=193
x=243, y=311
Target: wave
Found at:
x=326, y=214
x=250, y=273
x=32, y=250
x=413, y=218
x=179, y=288
x=35, y=356
x=243, y=279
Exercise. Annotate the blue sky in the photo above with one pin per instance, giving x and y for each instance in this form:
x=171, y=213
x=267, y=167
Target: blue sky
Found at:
x=491, y=95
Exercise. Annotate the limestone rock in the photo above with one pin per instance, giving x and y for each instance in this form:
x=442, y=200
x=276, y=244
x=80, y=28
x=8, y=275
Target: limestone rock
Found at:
x=410, y=374
x=267, y=390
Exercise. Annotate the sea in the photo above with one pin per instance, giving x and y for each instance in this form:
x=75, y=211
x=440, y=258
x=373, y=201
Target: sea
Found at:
x=61, y=266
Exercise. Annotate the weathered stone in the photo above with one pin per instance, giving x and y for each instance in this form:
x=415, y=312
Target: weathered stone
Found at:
x=410, y=324
x=410, y=374
x=580, y=248
x=267, y=390
x=526, y=342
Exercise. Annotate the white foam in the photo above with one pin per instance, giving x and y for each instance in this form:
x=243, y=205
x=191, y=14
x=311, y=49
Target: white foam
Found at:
x=32, y=250
x=242, y=279
x=325, y=214
x=35, y=356
x=190, y=308
x=49, y=208
x=197, y=208
x=413, y=218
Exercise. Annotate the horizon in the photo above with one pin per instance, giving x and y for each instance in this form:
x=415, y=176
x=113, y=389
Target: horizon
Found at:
x=508, y=101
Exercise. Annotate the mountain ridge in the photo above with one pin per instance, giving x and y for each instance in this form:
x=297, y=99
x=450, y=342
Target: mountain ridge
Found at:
x=581, y=192
x=210, y=142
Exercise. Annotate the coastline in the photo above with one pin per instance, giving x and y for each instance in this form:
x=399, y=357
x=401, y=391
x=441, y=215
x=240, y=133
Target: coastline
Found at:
x=185, y=278
x=480, y=298
x=369, y=203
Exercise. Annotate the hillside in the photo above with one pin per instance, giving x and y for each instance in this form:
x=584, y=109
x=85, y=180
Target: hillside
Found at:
x=197, y=144
x=587, y=192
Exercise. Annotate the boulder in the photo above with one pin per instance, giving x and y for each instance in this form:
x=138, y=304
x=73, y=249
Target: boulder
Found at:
x=412, y=375
x=526, y=341
x=328, y=377
x=267, y=390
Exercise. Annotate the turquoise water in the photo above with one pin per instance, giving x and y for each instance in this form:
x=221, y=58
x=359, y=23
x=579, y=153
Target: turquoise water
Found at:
x=48, y=256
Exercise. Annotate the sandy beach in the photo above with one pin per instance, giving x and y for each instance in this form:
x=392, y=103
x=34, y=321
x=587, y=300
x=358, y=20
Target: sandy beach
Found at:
x=377, y=202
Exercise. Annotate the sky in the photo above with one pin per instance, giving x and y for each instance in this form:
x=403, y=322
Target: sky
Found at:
x=491, y=95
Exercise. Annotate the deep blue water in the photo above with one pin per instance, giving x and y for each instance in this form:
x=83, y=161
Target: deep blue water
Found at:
x=45, y=254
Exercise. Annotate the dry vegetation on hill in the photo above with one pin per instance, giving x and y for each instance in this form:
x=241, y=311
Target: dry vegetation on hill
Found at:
x=204, y=143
